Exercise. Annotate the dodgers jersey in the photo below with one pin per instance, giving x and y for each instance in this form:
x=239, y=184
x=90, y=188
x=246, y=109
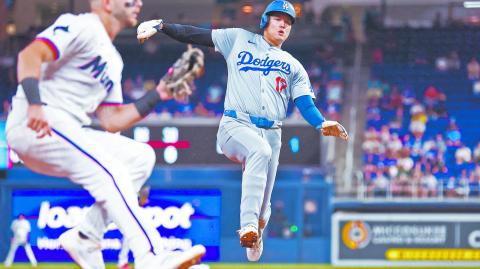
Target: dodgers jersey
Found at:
x=261, y=78
x=87, y=69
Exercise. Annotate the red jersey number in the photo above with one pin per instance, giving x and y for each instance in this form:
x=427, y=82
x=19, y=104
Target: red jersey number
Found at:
x=281, y=84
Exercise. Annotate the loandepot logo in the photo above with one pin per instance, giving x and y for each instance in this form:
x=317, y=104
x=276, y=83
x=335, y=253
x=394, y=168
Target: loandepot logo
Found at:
x=356, y=234
x=55, y=217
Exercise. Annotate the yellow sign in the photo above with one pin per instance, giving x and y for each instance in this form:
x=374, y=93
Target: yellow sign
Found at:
x=432, y=254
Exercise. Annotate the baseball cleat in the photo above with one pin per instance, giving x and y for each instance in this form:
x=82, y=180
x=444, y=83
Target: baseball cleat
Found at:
x=189, y=257
x=248, y=236
x=172, y=260
x=85, y=252
x=254, y=253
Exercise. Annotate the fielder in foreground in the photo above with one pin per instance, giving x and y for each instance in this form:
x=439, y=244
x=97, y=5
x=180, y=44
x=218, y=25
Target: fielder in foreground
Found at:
x=70, y=70
x=262, y=78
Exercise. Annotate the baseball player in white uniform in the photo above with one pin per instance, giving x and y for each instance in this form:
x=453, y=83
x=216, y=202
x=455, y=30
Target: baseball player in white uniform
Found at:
x=69, y=71
x=21, y=229
x=262, y=78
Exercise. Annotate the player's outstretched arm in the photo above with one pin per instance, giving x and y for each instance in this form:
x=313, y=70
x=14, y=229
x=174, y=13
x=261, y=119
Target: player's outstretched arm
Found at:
x=313, y=116
x=183, y=33
x=118, y=118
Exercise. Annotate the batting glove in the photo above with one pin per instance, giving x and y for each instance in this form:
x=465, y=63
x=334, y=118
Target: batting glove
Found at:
x=147, y=29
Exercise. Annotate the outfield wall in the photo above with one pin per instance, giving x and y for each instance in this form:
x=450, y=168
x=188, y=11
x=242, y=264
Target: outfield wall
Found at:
x=307, y=239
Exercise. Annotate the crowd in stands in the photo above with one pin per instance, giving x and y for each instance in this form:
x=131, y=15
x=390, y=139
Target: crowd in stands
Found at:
x=403, y=158
x=420, y=139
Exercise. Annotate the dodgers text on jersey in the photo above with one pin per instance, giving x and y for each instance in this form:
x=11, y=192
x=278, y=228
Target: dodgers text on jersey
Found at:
x=266, y=65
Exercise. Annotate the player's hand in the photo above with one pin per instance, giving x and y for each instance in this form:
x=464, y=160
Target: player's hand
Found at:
x=164, y=92
x=37, y=121
x=333, y=128
x=147, y=29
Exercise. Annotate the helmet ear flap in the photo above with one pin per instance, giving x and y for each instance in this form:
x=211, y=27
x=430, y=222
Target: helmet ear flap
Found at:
x=263, y=21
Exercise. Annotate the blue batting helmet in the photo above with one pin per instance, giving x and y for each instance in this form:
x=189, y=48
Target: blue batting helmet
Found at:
x=277, y=6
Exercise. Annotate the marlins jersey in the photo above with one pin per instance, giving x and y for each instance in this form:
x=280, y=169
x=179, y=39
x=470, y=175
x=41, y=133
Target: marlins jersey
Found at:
x=261, y=78
x=87, y=68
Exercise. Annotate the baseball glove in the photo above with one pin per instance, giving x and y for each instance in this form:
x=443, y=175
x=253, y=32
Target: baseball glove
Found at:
x=179, y=78
x=333, y=128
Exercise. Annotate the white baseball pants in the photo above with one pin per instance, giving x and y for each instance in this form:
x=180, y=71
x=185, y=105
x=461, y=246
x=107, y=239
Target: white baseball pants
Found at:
x=13, y=248
x=258, y=150
x=110, y=167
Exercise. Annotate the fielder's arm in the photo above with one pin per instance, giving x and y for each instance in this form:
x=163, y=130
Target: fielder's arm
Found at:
x=29, y=64
x=183, y=33
x=118, y=118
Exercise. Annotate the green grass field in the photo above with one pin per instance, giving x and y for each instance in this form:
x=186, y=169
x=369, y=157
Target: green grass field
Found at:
x=219, y=266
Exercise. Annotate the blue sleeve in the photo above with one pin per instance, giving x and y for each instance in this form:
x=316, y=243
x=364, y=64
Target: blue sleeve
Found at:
x=309, y=111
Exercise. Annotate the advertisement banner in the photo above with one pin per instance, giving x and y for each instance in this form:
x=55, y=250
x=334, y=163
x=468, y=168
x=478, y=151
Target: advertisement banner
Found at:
x=398, y=239
x=183, y=218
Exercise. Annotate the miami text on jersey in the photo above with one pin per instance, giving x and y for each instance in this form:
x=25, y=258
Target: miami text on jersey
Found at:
x=99, y=70
x=266, y=65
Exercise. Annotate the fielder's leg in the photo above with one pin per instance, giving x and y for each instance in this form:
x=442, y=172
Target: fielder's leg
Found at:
x=11, y=253
x=139, y=160
x=30, y=255
x=70, y=153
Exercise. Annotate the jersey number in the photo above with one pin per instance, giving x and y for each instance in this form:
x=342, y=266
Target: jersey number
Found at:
x=281, y=84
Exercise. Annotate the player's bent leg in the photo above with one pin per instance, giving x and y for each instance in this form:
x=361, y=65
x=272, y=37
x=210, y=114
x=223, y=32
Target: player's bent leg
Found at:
x=86, y=163
x=138, y=158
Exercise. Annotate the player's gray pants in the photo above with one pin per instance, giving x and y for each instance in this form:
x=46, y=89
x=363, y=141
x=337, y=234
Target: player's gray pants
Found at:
x=258, y=150
x=13, y=248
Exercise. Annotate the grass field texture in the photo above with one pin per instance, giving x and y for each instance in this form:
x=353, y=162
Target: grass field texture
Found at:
x=219, y=266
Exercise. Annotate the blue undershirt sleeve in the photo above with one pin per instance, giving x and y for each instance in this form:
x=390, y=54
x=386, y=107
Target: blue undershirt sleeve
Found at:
x=309, y=111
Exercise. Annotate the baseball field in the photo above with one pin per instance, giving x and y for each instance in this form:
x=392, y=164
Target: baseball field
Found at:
x=218, y=266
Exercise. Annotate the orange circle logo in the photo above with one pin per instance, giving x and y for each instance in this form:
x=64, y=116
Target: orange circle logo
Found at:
x=356, y=234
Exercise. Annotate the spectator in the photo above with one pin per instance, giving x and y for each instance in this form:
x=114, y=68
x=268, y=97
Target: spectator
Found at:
x=476, y=154
x=431, y=96
x=463, y=155
x=476, y=88
x=428, y=185
x=334, y=91
x=473, y=69
x=396, y=99
x=213, y=100
x=453, y=61
x=462, y=188
x=377, y=55
x=379, y=186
